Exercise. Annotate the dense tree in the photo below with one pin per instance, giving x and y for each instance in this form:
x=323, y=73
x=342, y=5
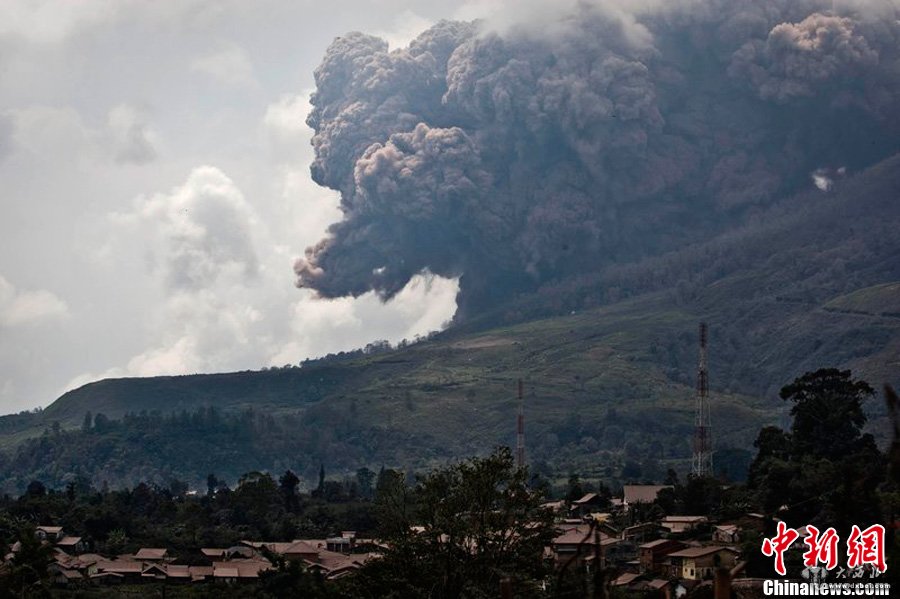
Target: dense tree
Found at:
x=732, y=463
x=287, y=483
x=27, y=574
x=257, y=502
x=574, y=490
x=101, y=423
x=36, y=489
x=891, y=495
x=460, y=530
x=289, y=579
x=825, y=471
x=320, y=488
x=365, y=479
x=828, y=413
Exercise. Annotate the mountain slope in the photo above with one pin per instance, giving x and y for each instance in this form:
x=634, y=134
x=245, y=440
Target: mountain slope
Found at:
x=608, y=361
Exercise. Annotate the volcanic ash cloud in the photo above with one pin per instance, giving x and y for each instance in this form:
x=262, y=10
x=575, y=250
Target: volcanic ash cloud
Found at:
x=519, y=158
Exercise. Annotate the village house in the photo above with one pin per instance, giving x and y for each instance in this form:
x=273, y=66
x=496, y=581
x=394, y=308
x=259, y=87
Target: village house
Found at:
x=145, y=554
x=221, y=553
x=332, y=558
x=49, y=533
x=342, y=544
x=167, y=572
x=318, y=554
x=682, y=524
x=579, y=544
x=119, y=570
x=639, y=533
x=296, y=550
x=698, y=563
x=62, y=576
x=640, y=583
x=337, y=565
x=72, y=545
x=240, y=570
x=727, y=534
x=653, y=554
x=583, y=506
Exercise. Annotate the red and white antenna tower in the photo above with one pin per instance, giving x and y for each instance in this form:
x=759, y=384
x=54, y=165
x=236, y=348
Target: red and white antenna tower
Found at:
x=520, y=433
x=701, y=463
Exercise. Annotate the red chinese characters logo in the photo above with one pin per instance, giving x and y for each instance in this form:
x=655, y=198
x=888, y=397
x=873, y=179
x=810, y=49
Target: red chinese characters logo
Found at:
x=822, y=548
x=864, y=547
x=779, y=544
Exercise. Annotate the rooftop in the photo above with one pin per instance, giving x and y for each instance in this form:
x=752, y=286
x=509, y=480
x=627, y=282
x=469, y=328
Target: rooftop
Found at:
x=587, y=498
x=657, y=543
x=150, y=553
x=700, y=551
x=684, y=518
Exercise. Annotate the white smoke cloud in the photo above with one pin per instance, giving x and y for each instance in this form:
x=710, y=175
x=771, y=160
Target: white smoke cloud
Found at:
x=226, y=303
x=200, y=231
x=51, y=132
x=6, y=134
x=329, y=325
x=28, y=307
x=90, y=91
x=52, y=21
x=821, y=179
x=285, y=127
x=230, y=65
x=133, y=140
x=48, y=132
x=404, y=28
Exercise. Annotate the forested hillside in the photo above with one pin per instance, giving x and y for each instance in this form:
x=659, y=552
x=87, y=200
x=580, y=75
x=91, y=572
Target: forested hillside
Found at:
x=607, y=360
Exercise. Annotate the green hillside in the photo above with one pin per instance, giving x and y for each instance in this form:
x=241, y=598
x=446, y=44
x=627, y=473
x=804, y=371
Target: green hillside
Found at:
x=877, y=300
x=609, y=363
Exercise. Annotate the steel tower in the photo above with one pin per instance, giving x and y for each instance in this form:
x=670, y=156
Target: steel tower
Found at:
x=701, y=463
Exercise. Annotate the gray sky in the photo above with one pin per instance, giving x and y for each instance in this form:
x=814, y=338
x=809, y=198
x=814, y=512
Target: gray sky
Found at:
x=155, y=189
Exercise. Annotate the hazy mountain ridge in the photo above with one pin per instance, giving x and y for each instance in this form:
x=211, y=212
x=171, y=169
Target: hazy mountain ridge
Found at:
x=808, y=283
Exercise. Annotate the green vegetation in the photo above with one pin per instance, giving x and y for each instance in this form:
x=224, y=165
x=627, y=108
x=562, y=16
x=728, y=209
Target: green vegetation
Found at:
x=592, y=378
x=28, y=574
x=461, y=529
x=877, y=300
x=824, y=471
x=122, y=521
x=479, y=523
x=608, y=360
x=258, y=507
x=588, y=383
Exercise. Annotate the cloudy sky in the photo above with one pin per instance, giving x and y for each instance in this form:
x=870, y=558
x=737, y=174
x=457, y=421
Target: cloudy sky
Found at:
x=155, y=189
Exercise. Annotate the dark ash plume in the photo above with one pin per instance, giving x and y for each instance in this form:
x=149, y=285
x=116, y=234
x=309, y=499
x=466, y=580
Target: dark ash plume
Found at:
x=515, y=159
